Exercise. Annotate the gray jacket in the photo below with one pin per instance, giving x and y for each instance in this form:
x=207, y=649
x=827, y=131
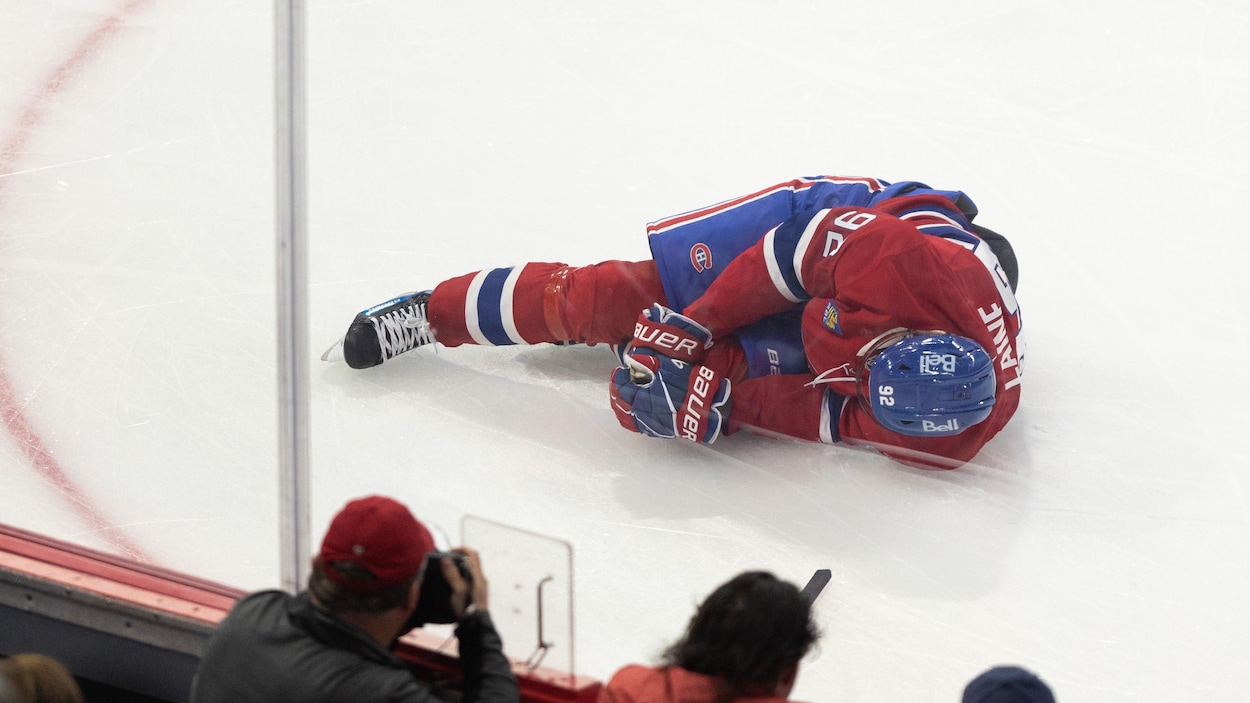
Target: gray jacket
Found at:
x=277, y=647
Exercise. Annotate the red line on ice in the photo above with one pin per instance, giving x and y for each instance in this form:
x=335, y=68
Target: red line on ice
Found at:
x=12, y=409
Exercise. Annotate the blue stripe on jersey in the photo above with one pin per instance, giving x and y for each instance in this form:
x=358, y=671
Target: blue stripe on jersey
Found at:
x=941, y=223
x=830, y=413
x=489, y=304
x=786, y=241
x=948, y=231
x=960, y=202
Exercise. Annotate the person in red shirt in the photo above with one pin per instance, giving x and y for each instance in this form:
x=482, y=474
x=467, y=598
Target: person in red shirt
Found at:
x=744, y=642
x=830, y=309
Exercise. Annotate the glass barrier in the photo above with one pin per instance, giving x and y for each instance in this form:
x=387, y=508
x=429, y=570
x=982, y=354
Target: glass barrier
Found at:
x=531, y=591
x=531, y=598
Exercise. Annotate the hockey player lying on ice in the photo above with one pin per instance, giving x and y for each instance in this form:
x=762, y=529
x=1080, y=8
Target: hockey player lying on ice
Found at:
x=827, y=309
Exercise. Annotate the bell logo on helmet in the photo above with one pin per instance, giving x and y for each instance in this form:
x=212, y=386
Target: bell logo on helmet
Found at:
x=933, y=364
x=951, y=426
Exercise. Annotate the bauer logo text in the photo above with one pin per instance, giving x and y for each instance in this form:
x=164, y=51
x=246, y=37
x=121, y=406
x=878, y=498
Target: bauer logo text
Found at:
x=656, y=338
x=694, y=413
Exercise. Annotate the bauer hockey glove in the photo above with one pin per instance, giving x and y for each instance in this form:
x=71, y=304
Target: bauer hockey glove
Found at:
x=670, y=334
x=668, y=398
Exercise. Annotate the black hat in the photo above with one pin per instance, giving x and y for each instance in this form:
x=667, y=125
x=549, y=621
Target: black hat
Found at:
x=1007, y=684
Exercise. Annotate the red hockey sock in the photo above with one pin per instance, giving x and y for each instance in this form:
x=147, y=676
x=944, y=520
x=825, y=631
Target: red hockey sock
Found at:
x=544, y=302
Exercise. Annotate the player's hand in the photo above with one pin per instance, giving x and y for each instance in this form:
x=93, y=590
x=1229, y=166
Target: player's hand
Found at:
x=670, y=334
x=668, y=398
x=475, y=590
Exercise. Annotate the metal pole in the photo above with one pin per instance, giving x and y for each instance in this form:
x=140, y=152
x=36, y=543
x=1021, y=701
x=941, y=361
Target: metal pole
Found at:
x=292, y=273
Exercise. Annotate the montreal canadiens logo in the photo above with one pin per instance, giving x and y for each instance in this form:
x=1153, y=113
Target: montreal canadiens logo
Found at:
x=700, y=257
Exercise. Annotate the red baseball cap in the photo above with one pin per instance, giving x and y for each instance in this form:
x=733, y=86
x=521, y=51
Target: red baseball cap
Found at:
x=379, y=534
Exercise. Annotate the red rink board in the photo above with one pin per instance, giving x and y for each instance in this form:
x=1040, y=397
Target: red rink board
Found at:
x=197, y=602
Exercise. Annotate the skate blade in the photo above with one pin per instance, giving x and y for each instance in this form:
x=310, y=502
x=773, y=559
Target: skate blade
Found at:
x=334, y=353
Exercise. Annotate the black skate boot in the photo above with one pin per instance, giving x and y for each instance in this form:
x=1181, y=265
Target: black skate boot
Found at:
x=387, y=330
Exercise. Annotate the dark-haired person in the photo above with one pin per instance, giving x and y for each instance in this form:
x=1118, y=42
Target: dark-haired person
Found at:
x=1007, y=684
x=745, y=641
x=333, y=641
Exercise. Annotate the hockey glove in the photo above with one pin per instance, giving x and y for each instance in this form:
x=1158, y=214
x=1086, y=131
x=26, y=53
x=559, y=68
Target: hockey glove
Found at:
x=670, y=334
x=667, y=398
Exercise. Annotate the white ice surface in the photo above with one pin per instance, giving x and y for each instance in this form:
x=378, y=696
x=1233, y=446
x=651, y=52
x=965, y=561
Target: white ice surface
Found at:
x=1101, y=540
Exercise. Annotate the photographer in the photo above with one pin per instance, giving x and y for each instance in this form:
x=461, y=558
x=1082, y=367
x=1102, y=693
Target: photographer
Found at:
x=334, y=640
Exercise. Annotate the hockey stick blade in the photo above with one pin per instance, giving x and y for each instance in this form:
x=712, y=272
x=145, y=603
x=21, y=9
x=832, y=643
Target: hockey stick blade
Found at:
x=334, y=353
x=816, y=584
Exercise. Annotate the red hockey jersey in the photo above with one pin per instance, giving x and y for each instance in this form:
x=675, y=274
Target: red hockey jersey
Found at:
x=864, y=274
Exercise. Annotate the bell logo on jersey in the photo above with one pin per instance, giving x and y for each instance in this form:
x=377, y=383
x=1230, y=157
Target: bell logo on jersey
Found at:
x=951, y=425
x=701, y=257
x=830, y=318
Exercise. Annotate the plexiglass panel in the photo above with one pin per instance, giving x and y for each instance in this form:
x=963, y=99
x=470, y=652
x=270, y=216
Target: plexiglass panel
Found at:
x=531, y=591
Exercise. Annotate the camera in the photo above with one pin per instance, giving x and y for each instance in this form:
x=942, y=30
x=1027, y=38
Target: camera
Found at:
x=434, y=603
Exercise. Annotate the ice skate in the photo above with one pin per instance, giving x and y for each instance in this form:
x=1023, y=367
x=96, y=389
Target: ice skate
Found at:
x=385, y=331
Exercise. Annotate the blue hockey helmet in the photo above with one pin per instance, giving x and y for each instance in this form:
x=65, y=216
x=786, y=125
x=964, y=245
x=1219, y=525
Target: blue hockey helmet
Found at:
x=931, y=385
